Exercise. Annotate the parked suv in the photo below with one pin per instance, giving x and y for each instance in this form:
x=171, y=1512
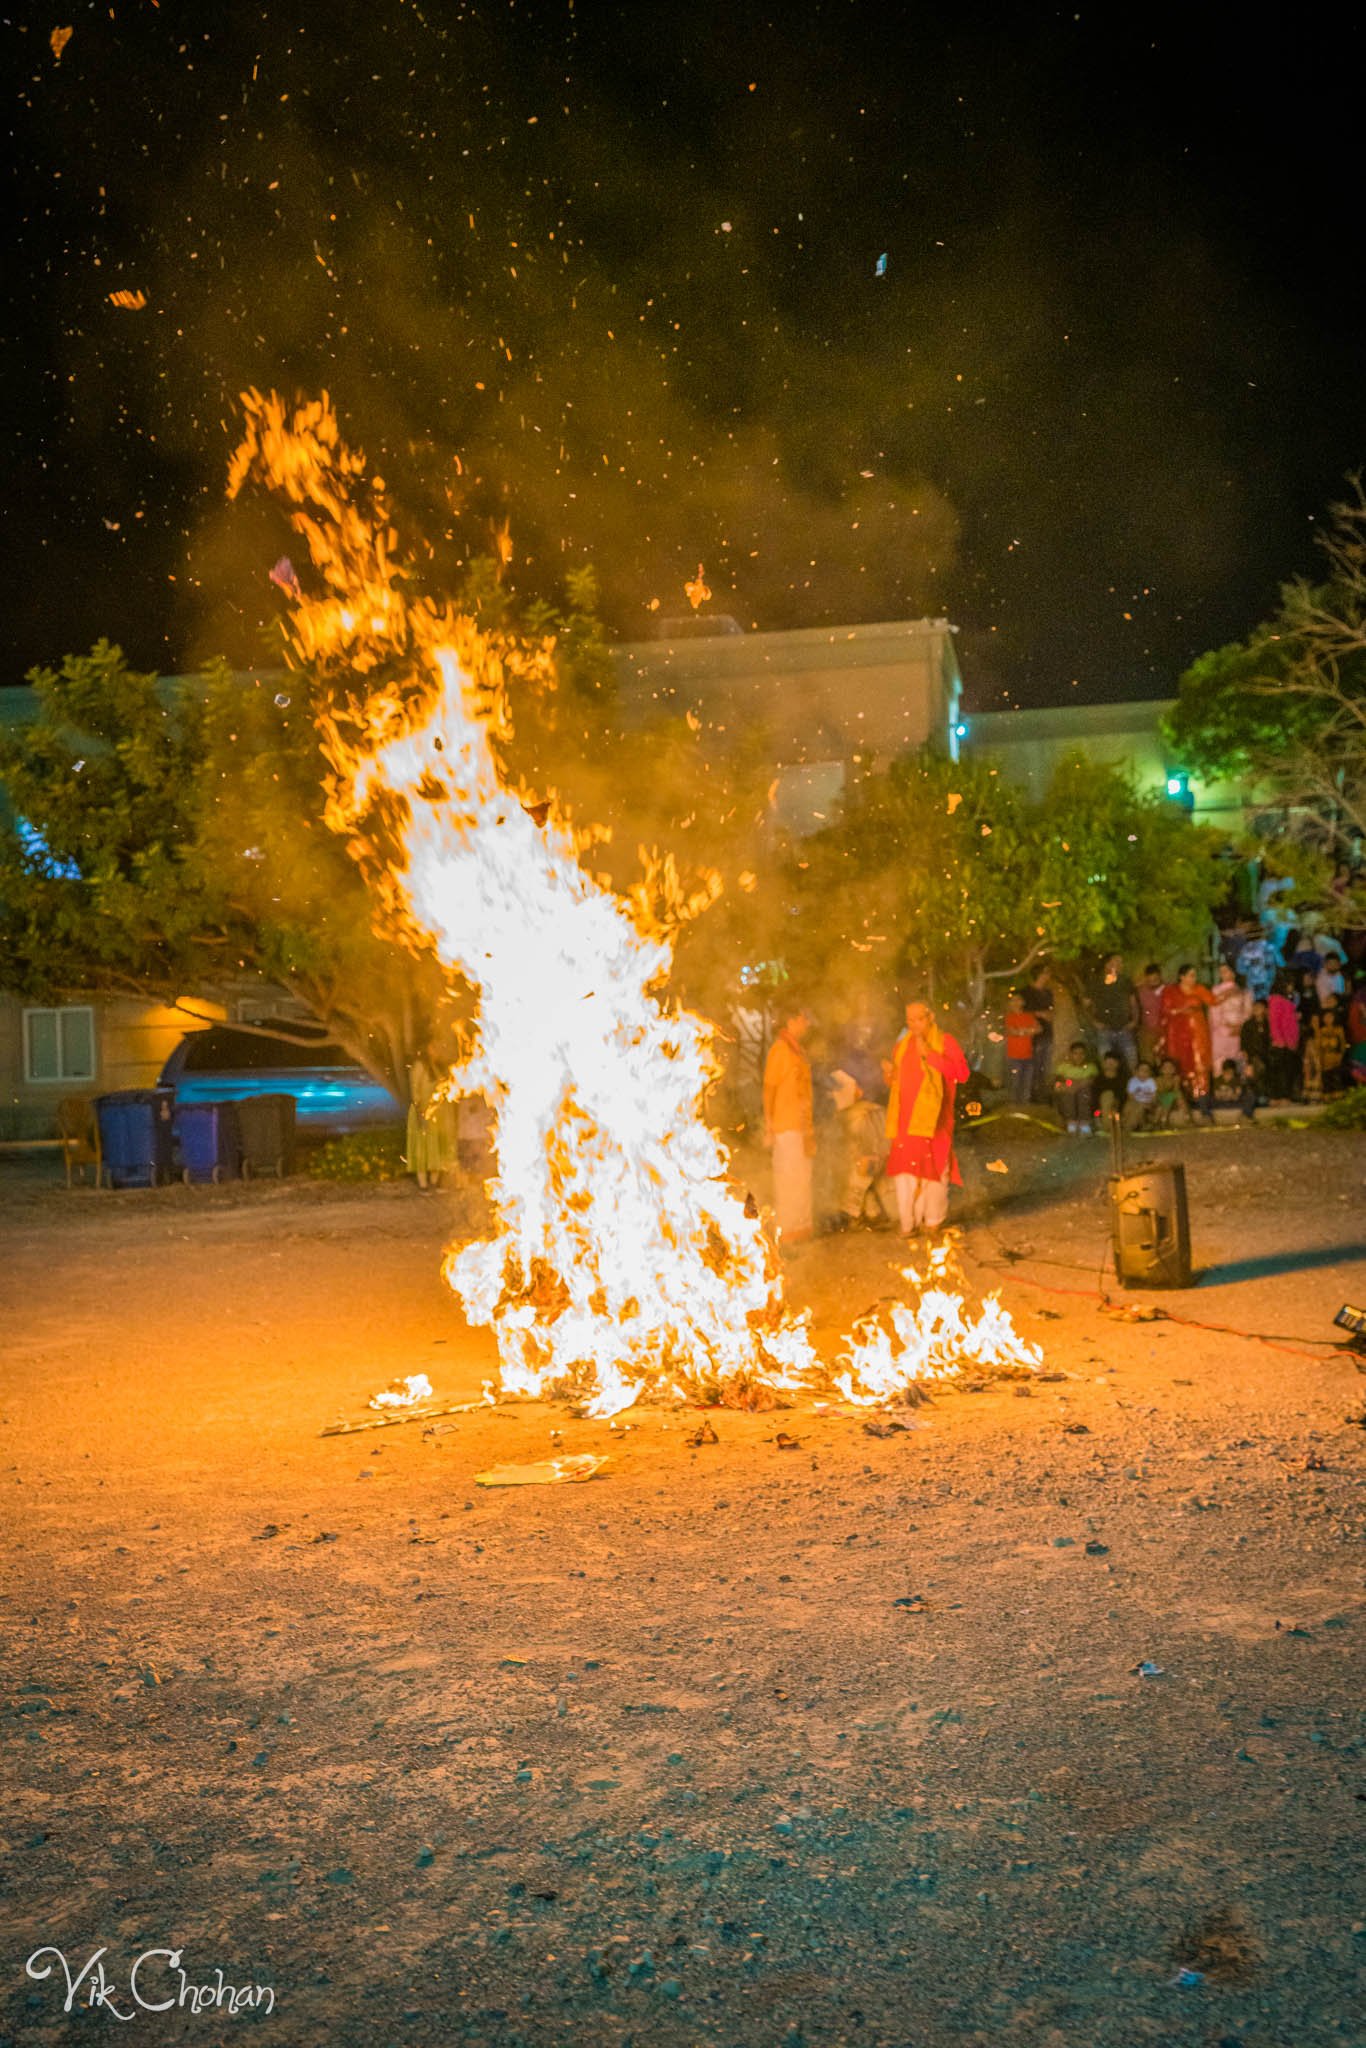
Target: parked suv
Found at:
x=332, y=1093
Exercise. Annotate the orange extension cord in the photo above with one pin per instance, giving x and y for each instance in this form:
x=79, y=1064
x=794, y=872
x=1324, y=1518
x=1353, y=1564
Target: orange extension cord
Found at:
x=1166, y=1315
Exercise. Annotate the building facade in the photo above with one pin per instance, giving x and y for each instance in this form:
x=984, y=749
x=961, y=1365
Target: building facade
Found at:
x=1028, y=745
x=833, y=701
x=50, y=1052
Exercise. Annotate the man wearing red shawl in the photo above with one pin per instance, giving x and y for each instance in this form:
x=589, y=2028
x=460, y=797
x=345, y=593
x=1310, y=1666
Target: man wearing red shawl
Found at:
x=1184, y=1035
x=927, y=1066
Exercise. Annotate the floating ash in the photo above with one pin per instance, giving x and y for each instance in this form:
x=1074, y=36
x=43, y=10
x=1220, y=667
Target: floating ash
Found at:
x=623, y=1260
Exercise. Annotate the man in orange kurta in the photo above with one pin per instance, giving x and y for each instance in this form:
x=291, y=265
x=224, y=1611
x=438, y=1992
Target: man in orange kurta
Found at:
x=788, y=1128
x=927, y=1066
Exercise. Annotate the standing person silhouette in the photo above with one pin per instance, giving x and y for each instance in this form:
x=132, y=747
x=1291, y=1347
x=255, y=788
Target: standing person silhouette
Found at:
x=789, y=1131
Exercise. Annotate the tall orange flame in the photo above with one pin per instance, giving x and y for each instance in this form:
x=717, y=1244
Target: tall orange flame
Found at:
x=622, y=1256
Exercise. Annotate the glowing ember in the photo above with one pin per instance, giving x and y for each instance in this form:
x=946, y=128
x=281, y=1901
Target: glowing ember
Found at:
x=621, y=1259
x=404, y=1393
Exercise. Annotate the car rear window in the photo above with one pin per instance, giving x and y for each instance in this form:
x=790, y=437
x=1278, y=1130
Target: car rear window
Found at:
x=222, y=1051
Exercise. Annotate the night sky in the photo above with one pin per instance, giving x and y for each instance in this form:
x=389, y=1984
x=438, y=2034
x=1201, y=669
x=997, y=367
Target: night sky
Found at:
x=1049, y=325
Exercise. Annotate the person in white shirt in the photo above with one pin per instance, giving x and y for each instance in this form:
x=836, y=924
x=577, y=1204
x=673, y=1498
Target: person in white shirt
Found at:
x=1140, y=1106
x=1330, y=980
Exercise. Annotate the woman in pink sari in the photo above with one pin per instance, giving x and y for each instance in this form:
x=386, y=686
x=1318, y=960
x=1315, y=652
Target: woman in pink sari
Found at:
x=1185, y=1031
x=1232, y=1008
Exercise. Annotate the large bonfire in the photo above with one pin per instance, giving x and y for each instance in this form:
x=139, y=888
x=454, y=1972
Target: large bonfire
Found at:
x=622, y=1258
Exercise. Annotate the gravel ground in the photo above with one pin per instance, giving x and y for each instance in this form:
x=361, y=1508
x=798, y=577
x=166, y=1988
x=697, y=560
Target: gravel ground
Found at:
x=736, y=1744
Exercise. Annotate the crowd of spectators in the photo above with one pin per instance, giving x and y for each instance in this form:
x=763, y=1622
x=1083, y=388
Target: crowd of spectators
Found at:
x=1281, y=1020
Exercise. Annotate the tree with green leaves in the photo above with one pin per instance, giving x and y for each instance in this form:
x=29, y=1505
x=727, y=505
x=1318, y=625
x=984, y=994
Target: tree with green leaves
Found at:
x=946, y=873
x=167, y=840
x=1286, y=708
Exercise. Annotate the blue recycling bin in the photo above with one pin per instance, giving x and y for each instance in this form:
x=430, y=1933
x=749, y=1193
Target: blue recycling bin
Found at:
x=208, y=1141
x=136, y=1136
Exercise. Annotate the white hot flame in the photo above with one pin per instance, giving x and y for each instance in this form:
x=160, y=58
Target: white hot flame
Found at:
x=622, y=1259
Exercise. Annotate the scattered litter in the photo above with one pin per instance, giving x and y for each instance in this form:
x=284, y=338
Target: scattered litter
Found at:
x=783, y=1442
x=1097, y=1550
x=997, y=1166
x=410, y=1415
x=271, y=1529
x=552, y=1472
x=1186, y=1980
x=1314, y=1463
x=888, y=1428
x=1132, y=1312
x=1075, y=1429
x=1147, y=1669
x=1049, y=1315
x=325, y=1536
x=902, y=1416
x=880, y=267
x=703, y=1434
x=914, y=1603
x=404, y=1393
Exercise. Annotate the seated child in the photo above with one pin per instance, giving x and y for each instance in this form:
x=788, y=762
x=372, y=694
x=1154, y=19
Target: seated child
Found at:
x=1254, y=1039
x=1171, y=1108
x=1140, y=1100
x=1074, y=1082
x=1231, y=1094
x=1331, y=1039
x=1111, y=1089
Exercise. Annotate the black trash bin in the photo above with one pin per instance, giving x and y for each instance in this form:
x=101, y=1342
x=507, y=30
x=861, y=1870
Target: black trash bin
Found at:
x=136, y=1136
x=267, y=1125
x=209, y=1141
x=1151, y=1227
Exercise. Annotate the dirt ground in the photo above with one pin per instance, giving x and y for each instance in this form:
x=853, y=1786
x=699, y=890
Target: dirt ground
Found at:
x=735, y=1744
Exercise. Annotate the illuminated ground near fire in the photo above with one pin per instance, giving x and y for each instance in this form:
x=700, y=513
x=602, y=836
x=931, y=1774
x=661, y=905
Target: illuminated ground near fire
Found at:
x=839, y=1744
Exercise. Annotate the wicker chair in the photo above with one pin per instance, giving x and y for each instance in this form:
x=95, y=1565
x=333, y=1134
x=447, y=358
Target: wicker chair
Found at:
x=78, y=1127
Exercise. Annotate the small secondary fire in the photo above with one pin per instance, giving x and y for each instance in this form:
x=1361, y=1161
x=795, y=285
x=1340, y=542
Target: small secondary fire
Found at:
x=621, y=1259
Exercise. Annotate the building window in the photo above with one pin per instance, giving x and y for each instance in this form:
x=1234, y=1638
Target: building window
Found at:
x=59, y=1045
